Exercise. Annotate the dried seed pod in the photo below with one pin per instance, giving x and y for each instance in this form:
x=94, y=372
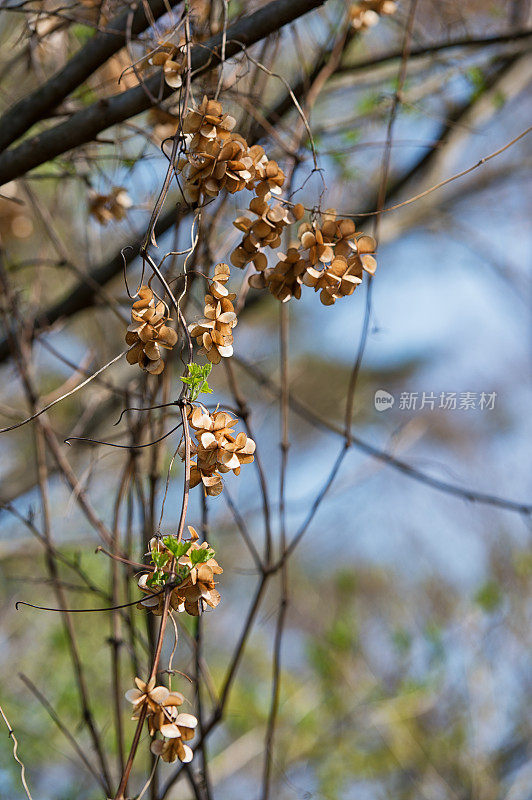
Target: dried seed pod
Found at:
x=171, y=58
x=269, y=177
x=174, y=748
x=316, y=244
x=382, y=7
x=147, y=694
x=164, y=52
x=344, y=237
x=216, y=165
x=160, y=707
x=330, y=256
x=341, y=277
x=206, y=123
x=210, y=479
x=199, y=589
x=335, y=281
x=366, y=13
x=164, y=122
x=235, y=452
x=218, y=159
x=14, y=220
x=285, y=279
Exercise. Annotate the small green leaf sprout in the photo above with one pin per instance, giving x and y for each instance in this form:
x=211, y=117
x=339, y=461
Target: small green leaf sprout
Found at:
x=197, y=379
x=159, y=560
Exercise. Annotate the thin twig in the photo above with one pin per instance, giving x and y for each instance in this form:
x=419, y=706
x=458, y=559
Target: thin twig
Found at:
x=63, y=396
x=15, y=754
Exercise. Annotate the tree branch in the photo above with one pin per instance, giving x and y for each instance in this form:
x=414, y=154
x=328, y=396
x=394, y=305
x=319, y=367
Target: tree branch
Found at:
x=34, y=107
x=431, y=49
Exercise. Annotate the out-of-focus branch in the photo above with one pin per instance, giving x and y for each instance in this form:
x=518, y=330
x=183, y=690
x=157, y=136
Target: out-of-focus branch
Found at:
x=509, y=80
x=431, y=49
x=62, y=727
x=84, y=295
x=35, y=106
x=41, y=435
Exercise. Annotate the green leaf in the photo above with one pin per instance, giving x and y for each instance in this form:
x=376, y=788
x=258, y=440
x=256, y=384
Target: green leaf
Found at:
x=369, y=102
x=85, y=95
x=160, y=559
x=434, y=638
x=181, y=574
x=402, y=640
x=197, y=379
x=342, y=635
x=476, y=78
x=523, y=564
x=201, y=555
x=499, y=99
x=156, y=580
x=351, y=136
x=177, y=549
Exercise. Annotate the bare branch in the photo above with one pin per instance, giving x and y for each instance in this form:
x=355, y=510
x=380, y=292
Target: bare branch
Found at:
x=35, y=106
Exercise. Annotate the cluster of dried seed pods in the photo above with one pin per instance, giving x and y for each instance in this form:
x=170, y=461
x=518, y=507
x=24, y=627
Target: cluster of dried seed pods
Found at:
x=284, y=280
x=161, y=707
x=149, y=333
x=217, y=450
x=213, y=333
x=217, y=159
x=14, y=218
x=265, y=231
x=336, y=256
x=331, y=257
x=171, y=57
x=194, y=573
x=192, y=569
